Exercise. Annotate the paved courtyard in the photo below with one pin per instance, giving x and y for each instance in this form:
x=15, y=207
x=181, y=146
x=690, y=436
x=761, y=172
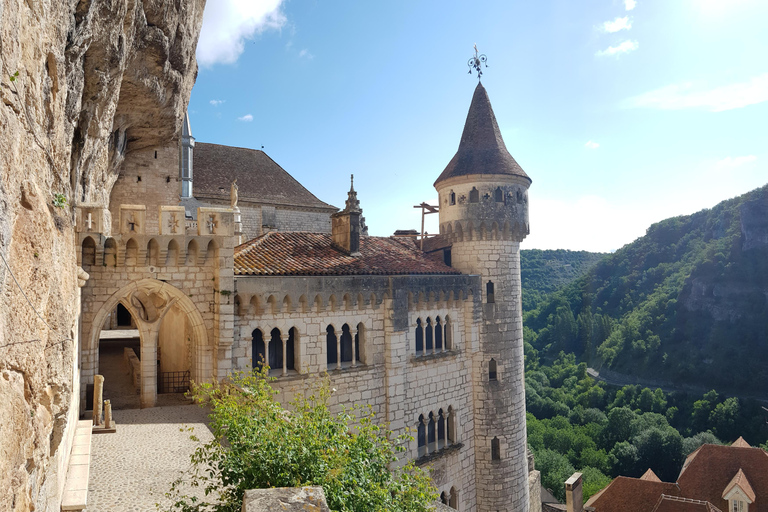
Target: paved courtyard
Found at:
x=132, y=469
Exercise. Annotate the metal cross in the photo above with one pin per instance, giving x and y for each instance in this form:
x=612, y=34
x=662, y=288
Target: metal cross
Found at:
x=475, y=62
x=212, y=223
x=173, y=222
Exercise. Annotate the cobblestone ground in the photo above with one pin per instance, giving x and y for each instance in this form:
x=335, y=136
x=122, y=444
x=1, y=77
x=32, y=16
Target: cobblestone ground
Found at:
x=132, y=469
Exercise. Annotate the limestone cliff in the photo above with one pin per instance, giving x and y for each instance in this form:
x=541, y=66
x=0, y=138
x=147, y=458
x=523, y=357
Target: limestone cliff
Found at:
x=83, y=84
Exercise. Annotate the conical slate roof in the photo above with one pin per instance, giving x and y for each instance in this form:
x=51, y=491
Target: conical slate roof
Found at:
x=481, y=150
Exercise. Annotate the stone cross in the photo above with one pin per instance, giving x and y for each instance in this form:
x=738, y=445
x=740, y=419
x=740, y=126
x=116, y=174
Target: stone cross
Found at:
x=212, y=223
x=173, y=222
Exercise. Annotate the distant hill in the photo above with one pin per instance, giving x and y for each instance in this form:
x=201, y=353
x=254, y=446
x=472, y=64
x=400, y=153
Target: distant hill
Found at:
x=544, y=272
x=687, y=302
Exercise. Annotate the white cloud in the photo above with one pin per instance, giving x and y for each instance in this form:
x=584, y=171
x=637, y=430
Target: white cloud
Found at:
x=731, y=162
x=247, y=118
x=216, y=103
x=617, y=24
x=305, y=54
x=591, y=145
x=630, y=4
x=689, y=95
x=625, y=47
x=227, y=24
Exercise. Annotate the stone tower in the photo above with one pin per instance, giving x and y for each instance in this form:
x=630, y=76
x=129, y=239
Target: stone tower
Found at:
x=483, y=196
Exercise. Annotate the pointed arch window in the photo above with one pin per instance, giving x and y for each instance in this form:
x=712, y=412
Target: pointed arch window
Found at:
x=331, y=341
x=438, y=335
x=275, y=350
x=346, y=344
x=441, y=439
x=290, y=349
x=495, y=449
x=492, y=370
x=419, y=337
x=431, y=439
x=452, y=198
x=258, y=350
x=88, y=256
x=428, y=335
x=489, y=293
x=421, y=430
x=498, y=195
x=474, y=195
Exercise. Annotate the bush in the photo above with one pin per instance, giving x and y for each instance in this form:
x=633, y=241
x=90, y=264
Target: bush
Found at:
x=259, y=444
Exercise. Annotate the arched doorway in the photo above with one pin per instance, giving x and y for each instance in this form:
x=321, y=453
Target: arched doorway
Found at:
x=172, y=336
x=118, y=353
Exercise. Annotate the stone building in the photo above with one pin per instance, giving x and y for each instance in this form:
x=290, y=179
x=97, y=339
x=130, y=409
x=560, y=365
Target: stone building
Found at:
x=433, y=342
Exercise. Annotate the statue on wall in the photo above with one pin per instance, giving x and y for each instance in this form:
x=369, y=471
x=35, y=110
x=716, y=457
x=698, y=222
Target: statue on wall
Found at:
x=233, y=196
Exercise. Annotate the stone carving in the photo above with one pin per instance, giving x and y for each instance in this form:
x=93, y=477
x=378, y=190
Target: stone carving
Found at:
x=149, y=306
x=233, y=194
x=173, y=223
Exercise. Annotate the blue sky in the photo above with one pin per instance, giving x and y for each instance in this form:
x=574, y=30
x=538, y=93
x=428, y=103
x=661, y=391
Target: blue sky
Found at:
x=622, y=112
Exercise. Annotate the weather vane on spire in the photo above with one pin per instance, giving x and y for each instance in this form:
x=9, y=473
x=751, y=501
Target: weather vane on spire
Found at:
x=476, y=62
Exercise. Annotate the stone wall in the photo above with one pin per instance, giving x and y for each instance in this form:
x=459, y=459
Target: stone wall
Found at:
x=93, y=82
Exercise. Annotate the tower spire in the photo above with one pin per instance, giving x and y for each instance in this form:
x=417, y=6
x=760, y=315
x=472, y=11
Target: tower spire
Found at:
x=352, y=204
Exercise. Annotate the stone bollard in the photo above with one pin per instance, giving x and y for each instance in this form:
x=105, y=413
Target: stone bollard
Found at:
x=107, y=414
x=98, y=390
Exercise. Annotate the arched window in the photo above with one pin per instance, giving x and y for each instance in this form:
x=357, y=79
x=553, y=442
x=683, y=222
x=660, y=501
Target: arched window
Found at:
x=453, y=500
x=131, y=253
x=489, y=296
x=88, y=256
x=290, y=349
x=172, y=259
x=258, y=353
x=330, y=346
x=443, y=498
x=448, y=334
x=495, y=449
x=492, y=369
x=212, y=253
x=346, y=344
x=450, y=421
x=498, y=195
x=360, y=343
x=438, y=335
x=421, y=430
x=275, y=350
x=452, y=198
x=431, y=432
x=110, y=253
x=441, y=440
x=152, y=251
x=474, y=195
x=419, y=337
x=429, y=335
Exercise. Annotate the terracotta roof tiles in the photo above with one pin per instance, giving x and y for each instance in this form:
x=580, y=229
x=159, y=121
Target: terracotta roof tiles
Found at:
x=678, y=504
x=740, y=480
x=312, y=254
x=625, y=494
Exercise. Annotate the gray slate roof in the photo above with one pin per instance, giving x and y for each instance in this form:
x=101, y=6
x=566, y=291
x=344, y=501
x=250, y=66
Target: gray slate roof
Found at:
x=259, y=178
x=481, y=150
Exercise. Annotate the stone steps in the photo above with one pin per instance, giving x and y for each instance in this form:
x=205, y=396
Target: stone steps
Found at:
x=76, y=486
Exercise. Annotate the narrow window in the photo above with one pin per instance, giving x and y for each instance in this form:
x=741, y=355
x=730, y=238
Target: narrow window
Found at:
x=422, y=436
x=438, y=335
x=492, y=369
x=443, y=498
x=172, y=258
x=489, y=297
x=431, y=431
x=276, y=350
x=257, y=350
x=131, y=253
x=448, y=334
x=155, y=154
x=429, y=335
x=453, y=198
x=346, y=344
x=290, y=349
x=453, y=501
x=450, y=421
x=152, y=251
x=330, y=344
x=419, y=337
x=495, y=449
x=359, y=336
x=447, y=257
x=474, y=195
x=440, y=429
x=110, y=253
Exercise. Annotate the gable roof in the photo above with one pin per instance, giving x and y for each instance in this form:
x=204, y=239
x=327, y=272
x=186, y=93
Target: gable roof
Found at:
x=259, y=178
x=650, y=475
x=312, y=254
x=481, y=150
x=741, y=443
x=740, y=480
x=625, y=494
x=712, y=468
x=678, y=504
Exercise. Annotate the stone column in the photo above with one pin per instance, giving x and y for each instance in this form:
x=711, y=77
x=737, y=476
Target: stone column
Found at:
x=98, y=389
x=284, y=339
x=338, y=350
x=266, y=352
x=354, y=352
x=107, y=414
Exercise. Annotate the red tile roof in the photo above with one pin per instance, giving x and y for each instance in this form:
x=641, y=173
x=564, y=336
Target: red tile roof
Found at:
x=312, y=254
x=741, y=443
x=626, y=494
x=711, y=468
x=650, y=475
x=678, y=504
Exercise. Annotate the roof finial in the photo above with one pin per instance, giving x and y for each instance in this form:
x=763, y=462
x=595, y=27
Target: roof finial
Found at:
x=352, y=182
x=476, y=61
x=352, y=205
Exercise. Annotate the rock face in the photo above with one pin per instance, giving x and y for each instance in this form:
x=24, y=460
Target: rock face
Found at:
x=82, y=84
x=307, y=499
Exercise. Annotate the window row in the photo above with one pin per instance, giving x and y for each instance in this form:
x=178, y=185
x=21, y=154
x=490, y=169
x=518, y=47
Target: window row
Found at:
x=450, y=498
x=433, y=337
x=172, y=256
x=435, y=431
x=343, y=350
x=499, y=196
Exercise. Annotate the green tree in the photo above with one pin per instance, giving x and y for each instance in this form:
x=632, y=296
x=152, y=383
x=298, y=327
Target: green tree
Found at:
x=555, y=470
x=260, y=444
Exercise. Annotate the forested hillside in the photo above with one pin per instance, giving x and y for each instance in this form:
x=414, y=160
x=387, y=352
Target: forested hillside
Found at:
x=686, y=303
x=544, y=272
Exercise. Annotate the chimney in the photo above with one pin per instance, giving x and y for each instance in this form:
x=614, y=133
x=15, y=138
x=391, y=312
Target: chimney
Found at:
x=345, y=225
x=574, y=500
